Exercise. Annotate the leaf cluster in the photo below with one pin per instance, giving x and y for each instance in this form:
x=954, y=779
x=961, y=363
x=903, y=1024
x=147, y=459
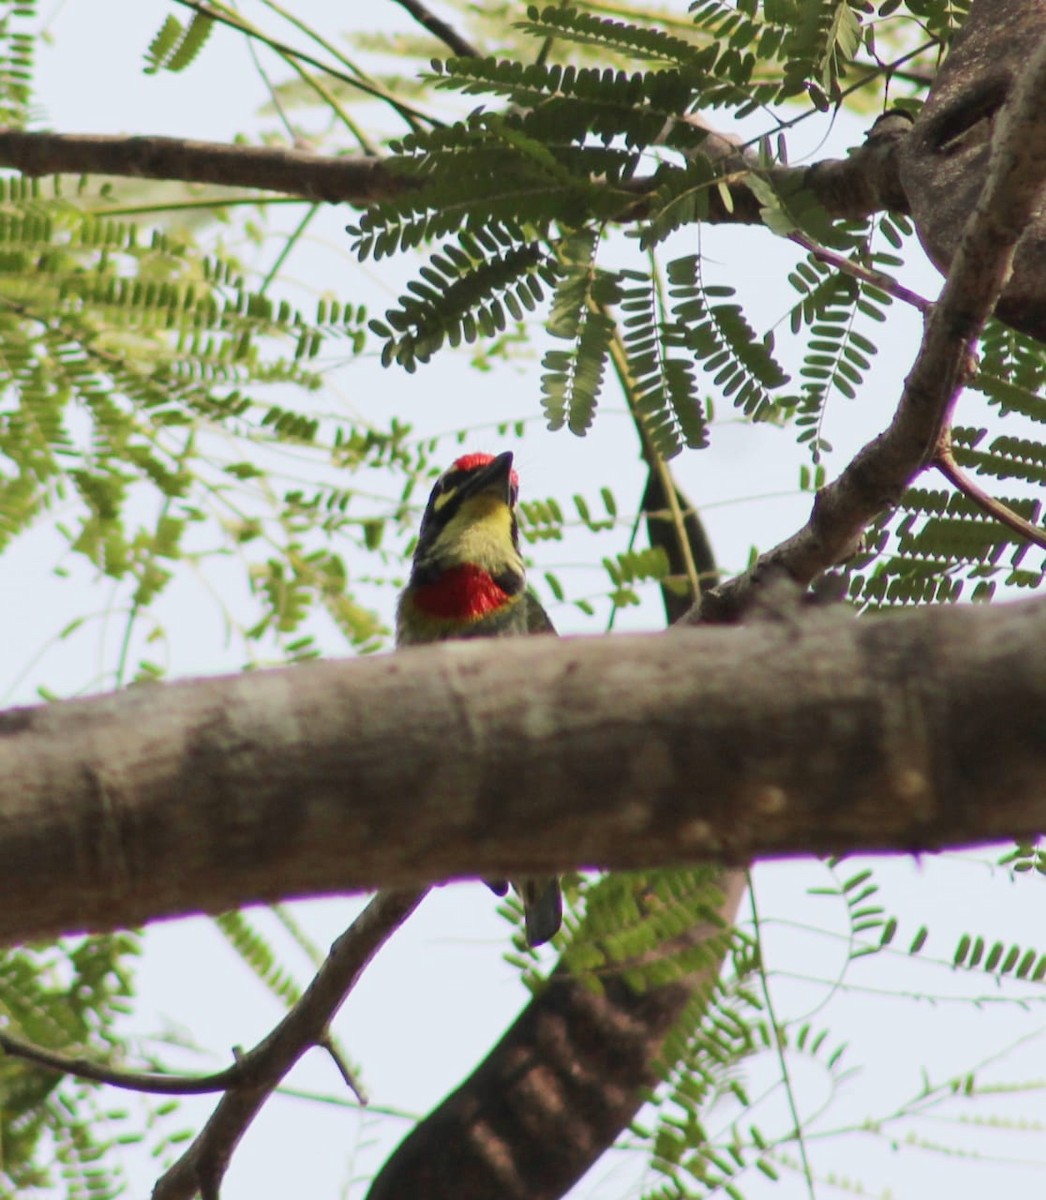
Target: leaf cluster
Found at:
x=65, y=998
x=129, y=360
x=560, y=162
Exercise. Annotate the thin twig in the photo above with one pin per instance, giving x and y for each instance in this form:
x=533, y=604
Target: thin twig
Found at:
x=134, y=1081
x=885, y=69
x=950, y=469
x=885, y=283
x=440, y=29
x=328, y=1043
x=798, y=1131
x=366, y=145
x=410, y=114
x=619, y=359
x=202, y=1167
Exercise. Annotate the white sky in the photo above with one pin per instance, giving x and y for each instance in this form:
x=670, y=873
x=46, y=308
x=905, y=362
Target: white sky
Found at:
x=440, y=993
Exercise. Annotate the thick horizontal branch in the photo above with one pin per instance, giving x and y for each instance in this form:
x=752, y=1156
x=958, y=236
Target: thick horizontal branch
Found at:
x=850, y=188
x=806, y=732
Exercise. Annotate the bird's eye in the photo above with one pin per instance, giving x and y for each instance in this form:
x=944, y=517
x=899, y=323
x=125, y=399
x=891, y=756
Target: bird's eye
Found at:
x=440, y=486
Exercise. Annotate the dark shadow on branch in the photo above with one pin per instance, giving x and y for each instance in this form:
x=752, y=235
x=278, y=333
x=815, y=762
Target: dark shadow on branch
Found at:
x=553, y=1094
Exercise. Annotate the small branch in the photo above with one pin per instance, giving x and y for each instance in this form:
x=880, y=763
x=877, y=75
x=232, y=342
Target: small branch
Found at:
x=202, y=1167
x=440, y=29
x=352, y=179
x=950, y=469
x=886, y=466
x=135, y=1081
x=889, y=71
x=885, y=283
x=344, y=1070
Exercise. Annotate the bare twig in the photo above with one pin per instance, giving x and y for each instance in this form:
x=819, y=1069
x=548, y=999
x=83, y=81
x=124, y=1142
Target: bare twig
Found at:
x=440, y=29
x=881, y=471
x=344, y=1070
x=950, y=469
x=135, y=1081
x=202, y=1167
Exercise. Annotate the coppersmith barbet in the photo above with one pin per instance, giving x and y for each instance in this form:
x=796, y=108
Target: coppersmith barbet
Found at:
x=468, y=580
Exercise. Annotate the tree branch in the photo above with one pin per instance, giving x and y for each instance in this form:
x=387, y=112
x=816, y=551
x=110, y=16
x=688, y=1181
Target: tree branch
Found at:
x=351, y=179
x=850, y=188
x=810, y=733
x=859, y=271
x=202, y=1167
x=440, y=29
x=950, y=469
x=352, y=78
x=886, y=466
x=134, y=1081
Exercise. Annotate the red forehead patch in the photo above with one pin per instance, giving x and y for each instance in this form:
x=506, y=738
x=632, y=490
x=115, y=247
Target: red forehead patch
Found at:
x=469, y=462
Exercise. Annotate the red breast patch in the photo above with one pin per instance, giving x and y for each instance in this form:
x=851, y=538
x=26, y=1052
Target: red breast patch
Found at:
x=462, y=593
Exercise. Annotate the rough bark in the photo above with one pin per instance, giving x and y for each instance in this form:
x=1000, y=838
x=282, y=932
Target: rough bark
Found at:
x=945, y=161
x=803, y=733
x=552, y=1095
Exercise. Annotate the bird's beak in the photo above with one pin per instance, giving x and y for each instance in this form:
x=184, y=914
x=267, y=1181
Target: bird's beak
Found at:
x=495, y=477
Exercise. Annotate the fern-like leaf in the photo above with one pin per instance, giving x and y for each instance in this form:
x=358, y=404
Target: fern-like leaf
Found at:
x=661, y=382
x=176, y=46
x=720, y=338
x=573, y=378
x=467, y=290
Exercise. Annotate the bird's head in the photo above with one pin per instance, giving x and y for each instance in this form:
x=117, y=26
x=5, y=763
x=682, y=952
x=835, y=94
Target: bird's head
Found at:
x=470, y=516
x=467, y=563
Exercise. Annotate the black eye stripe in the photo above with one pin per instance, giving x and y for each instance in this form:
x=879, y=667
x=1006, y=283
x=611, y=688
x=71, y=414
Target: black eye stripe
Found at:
x=454, y=478
x=448, y=479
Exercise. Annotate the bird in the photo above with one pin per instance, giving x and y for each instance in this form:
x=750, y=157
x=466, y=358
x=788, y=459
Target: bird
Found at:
x=467, y=580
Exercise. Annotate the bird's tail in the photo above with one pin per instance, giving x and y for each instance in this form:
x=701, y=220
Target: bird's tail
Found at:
x=542, y=908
